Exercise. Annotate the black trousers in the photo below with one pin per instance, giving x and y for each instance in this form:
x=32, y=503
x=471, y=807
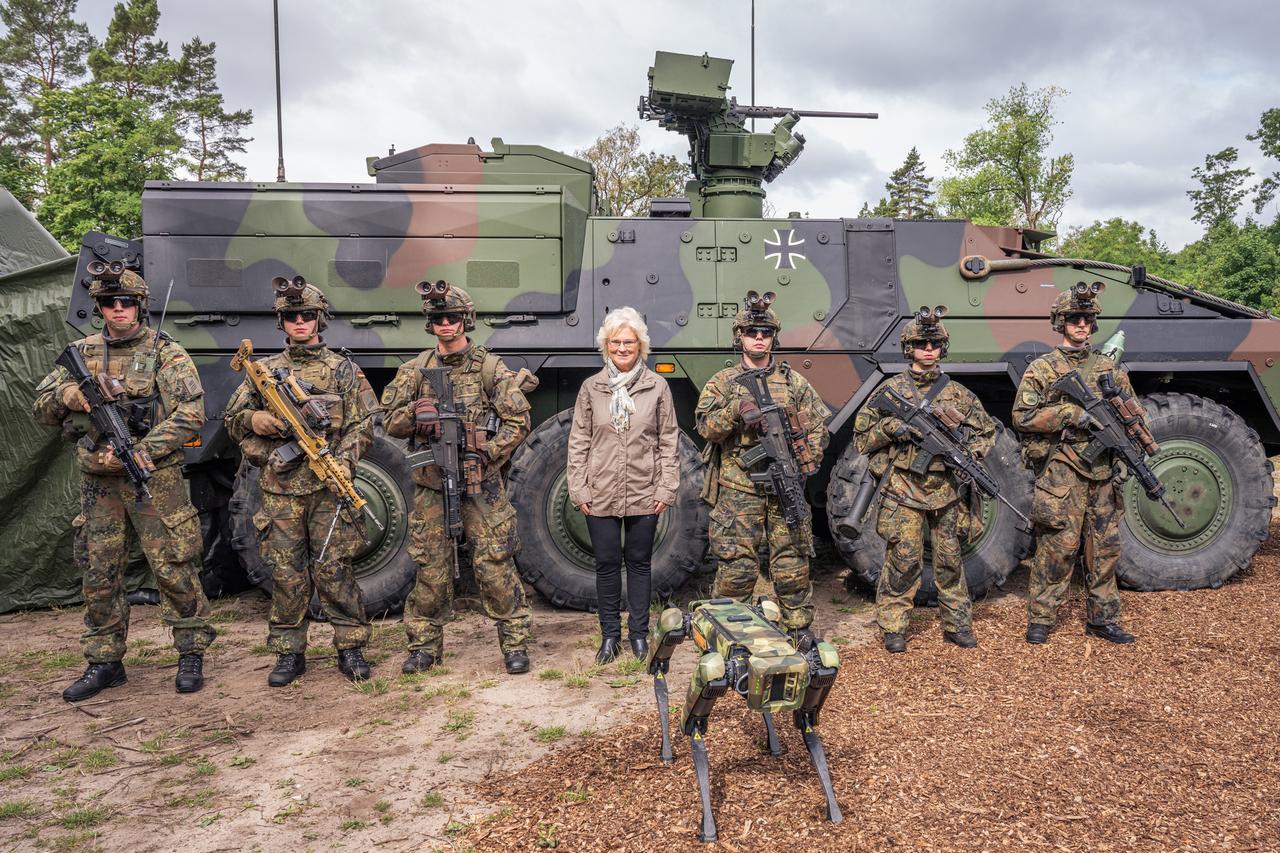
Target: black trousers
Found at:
x=606, y=541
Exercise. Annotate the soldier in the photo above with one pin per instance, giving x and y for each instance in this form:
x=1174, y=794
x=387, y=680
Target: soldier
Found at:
x=911, y=501
x=159, y=396
x=742, y=514
x=298, y=511
x=490, y=393
x=1074, y=499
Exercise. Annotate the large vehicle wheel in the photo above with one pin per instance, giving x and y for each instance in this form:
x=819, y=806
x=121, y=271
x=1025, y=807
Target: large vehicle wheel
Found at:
x=987, y=561
x=555, y=548
x=383, y=568
x=1217, y=479
x=220, y=570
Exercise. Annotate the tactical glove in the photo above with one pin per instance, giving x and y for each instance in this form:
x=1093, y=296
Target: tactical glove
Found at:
x=73, y=398
x=751, y=416
x=266, y=424
x=426, y=419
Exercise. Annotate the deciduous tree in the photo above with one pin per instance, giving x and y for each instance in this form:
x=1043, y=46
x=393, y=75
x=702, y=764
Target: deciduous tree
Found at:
x=1222, y=188
x=628, y=179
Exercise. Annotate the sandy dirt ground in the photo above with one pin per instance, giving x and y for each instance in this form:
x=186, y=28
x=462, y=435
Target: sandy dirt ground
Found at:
x=1169, y=744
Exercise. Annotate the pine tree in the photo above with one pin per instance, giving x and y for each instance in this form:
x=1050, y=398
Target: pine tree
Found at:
x=212, y=133
x=911, y=194
x=131, y=60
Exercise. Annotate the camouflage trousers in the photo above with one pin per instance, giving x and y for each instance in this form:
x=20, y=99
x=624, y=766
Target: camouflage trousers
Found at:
x=168, y=528
x=1069, y=508
x=740, y=521
x=292, y=530
x=489, y=522
x=903, y=529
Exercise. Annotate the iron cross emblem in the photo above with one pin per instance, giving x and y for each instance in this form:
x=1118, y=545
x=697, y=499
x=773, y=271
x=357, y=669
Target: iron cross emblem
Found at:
x=784, y=256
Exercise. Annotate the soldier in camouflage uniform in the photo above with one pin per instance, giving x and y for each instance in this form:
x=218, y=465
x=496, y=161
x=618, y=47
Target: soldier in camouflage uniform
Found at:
x=1074, y=500
x=742, y=514
x=298, y=509
x=162, y=401
x=485, y=386
x=912, y=502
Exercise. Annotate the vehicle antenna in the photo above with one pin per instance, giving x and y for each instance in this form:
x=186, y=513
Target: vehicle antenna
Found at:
x=275, y=15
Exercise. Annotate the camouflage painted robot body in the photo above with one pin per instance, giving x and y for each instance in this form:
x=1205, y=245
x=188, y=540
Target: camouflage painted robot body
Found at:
x=743, y=514
x=162, y=401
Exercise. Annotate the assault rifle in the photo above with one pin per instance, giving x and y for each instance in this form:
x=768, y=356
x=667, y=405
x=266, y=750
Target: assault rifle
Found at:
x=937, y=435
x=783, y=441
x=306, y=421
x=1120, y=430
x=102, y=393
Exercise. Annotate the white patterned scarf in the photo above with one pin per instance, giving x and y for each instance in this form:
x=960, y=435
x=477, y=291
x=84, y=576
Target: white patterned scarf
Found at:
x=621, y=406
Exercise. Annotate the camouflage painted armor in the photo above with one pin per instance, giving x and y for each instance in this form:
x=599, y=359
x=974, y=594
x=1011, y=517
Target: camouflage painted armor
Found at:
x=742, y=514
x=164, y=400
x=1073, y=499
x=912, y=503
x=298, y=509
x=484, y=385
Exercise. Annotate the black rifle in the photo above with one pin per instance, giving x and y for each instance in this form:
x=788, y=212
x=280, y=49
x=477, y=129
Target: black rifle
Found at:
x=448, y=449
x=1120, y=429
x=934, y=438
x=784, y=443
x=106, y=418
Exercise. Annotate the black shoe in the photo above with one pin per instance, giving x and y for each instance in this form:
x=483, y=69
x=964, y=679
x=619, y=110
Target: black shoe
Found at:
x=97, y=677
x=190, y=677
x=419, y=660
x=1037, y=633
x=1110, y=631
x=517, y=661
x=608, y=650
x=895, y=642
x=352, y=664
x=639, y=647
x=288, y=667
x=964, y=638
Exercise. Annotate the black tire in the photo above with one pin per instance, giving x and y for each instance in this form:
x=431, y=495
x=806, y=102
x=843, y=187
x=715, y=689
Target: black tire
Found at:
x=558, y=564
x=383, y=568
x=220, y=571
x=1217, y=477
x=987, y=562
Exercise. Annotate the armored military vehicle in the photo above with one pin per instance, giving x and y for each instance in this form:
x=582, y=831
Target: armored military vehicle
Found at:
x=517, y=226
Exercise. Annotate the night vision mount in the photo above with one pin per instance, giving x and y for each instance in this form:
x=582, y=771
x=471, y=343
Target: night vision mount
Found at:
x=757, y=306
x=290, y=289
x=930, y=317
x=433, y=291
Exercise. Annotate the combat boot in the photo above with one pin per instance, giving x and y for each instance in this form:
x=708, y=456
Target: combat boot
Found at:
x=895, y=642
x=288, y=667
x=419, y=660
x=190, y=677
x=1037, y=633
x=516, y=661
x=97, y=677
x=352, y=664
x=963, y=638
x=1109, y=631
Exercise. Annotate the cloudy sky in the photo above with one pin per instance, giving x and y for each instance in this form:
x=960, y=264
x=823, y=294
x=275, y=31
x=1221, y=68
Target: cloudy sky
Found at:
x=1154, y=86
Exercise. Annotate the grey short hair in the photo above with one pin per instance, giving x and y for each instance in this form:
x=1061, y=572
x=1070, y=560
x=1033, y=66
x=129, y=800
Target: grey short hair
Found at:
x=615, y=320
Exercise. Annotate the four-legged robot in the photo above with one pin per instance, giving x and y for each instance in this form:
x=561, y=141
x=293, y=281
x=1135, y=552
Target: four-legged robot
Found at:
x=743, y=648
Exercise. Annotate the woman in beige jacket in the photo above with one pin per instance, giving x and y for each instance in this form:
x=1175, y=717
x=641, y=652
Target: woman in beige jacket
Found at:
x=624, y=471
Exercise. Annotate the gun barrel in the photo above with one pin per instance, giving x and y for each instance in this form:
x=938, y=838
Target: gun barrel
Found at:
x=751, y=111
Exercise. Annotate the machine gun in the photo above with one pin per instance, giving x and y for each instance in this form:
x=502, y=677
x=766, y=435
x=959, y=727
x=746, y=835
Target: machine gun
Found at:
x=306, y=421
x=743, y=649
x=1121, y=430
x=784, y=442
x=730, y=162
x=937, y=435
x=102, y=394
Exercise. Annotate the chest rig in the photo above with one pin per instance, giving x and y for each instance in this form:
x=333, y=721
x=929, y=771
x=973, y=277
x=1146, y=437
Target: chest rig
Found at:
x=127, y=377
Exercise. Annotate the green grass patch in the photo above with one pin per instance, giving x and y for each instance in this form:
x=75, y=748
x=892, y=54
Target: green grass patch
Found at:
x=353, y=825
x=171, y=759
x=839, y=640
x=622, y=682
x=85, y=818
x=99, y=759
x=17, y=771
x=445, y=757
x=549, y=734
x=242, y=761
x=287, y=812
x=550, y=675
x=194, y=799
x=487, y=683
x=577, y=681
x=355, y=782
x=499, y=815
x=64, y=758
x=431, y=800
x=372, y=686
x=577, y=794
x=453, y=691
x=382, y=806
x=204, y=767
x=546, y=839
x=17, y=808
x=260, y=649
x=229, y=614
x=208, y=820
x=76, y=842
x=60, y=660
x=630, y=666
x=460, y=723
x=454, y=828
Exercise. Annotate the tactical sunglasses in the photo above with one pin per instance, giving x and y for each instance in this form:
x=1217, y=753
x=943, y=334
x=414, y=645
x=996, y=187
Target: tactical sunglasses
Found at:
x=1073, y=319
x=122, y=301
x=295, y=316
x=926, y=344
x=450, y=319
x=758, y=332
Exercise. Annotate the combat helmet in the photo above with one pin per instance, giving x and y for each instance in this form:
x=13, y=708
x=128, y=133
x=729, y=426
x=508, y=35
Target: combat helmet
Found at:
x=926, y=325
x=441, y=297
x=111, y=278
x=1082, y=298
x=756, y=312
x=297, y=294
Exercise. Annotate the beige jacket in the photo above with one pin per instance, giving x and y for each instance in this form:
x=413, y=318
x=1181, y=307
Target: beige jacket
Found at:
x=624, y=474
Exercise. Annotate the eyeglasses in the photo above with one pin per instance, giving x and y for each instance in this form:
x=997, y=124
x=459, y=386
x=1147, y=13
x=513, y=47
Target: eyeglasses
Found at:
x=453, y=318
x=623, y=344
x=122, y=301
x=758, y=332
x=926, y=345
x=1079, y=319
x=295, y=316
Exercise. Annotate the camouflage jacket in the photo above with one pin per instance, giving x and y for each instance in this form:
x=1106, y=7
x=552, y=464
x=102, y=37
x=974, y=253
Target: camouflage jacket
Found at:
x=338, y=384
x=1046, y=418
x=719, y=423
x=481, y=389
x=167, y=390
x=937, y=487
